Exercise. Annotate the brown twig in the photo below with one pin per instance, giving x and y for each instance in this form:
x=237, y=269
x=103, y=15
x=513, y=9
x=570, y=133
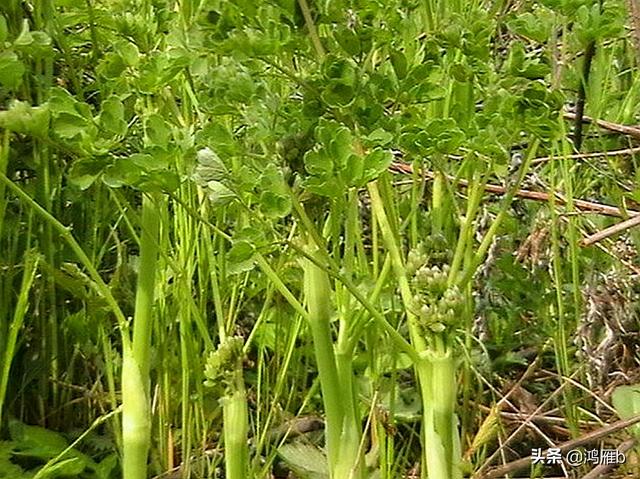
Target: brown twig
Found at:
x=582, y=205
x=631, y=131
x=611, y=230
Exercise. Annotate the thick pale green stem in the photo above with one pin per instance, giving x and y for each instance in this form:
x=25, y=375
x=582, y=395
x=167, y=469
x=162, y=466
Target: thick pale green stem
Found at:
x=236, y=429
x=441, y=406
x=318, y=293
x=136, y=421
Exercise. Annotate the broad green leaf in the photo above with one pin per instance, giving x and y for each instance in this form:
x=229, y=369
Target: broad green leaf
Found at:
x=399, y=62
x=84, y=173
x=128, y=52
x=340, y=147
x=104, y=469
x=111, y=66
x=148, y=162
x=375, y=163
x=240, y=257
x=112, y=116
x=275, y=205
x=72, y=467
x=536, y=25
x=306, y=460
x=11, y=70
x=379, y=137
x=70, y=126
x=9, y=470
x=338, y=95
x=349, y=41
x=123, y=172
x=157, y=131
x=38, y=442
x=209, y=167
x=626, y=401
x=160, y=181
x=354, y=171
x=219, y=194
x=317, y=163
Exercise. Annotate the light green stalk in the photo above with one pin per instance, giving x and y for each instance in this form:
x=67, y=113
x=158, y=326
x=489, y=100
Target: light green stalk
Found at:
x=318, y=292
x=136, y=421
x=342, y=434
x=236, y=429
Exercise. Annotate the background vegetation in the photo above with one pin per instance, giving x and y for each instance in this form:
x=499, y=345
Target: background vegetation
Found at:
x=317, y=239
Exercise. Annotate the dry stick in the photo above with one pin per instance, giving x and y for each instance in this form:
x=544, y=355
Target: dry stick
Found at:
x=586, y=206
x=518, y=416
x=602, y=469
x=611, y=230
x=584, y=156
x=564, y=447
x=631, y=131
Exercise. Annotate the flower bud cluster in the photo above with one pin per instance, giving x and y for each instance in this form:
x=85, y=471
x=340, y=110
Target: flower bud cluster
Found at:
x=416, y=258
x=436, y=305
x=222, y=363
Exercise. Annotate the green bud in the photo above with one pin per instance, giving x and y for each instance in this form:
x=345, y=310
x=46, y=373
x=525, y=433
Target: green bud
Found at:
x=222, y=363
